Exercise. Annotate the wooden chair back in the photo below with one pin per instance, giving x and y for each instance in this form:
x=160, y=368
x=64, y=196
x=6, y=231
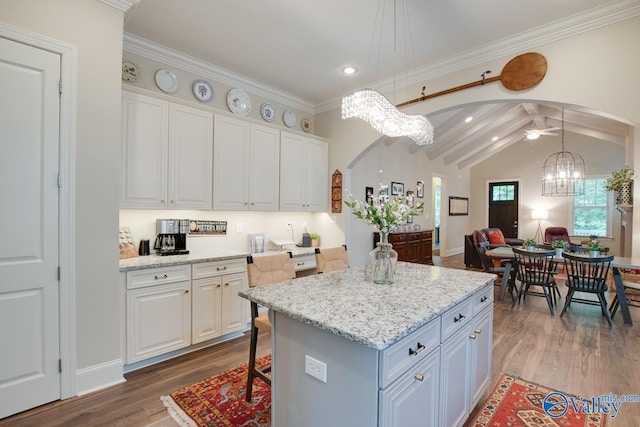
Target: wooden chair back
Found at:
x=332, y=259
x=587, y=274
x=535, y=267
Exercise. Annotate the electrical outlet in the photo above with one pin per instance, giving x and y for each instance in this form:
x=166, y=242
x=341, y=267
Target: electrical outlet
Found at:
x=315, y=368
x=239, y=227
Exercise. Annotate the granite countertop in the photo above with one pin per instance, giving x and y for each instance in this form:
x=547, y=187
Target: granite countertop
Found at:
x=349, y=305
x=151, y=261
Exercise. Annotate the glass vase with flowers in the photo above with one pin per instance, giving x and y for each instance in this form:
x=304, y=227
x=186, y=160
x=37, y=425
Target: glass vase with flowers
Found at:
x=385, y=215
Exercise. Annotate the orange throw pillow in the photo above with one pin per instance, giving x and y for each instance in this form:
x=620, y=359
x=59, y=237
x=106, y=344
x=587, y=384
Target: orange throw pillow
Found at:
x=495, y=237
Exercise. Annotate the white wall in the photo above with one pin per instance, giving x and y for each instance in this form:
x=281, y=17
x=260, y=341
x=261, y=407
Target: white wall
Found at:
x=595, y=70
x=384, y=163
x=523, y=161
x=96, y=30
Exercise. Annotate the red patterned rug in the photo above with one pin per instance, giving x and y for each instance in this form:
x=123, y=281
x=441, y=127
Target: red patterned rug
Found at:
x=219, y=400
x=515, y=402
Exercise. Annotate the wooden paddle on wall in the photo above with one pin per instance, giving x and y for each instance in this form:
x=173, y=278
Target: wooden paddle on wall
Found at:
x=522, y=72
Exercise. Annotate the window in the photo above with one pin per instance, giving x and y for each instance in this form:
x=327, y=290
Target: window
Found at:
x=503, y=192
x=591, y=210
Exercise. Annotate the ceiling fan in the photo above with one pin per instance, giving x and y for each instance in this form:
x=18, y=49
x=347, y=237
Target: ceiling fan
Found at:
x=532, y=134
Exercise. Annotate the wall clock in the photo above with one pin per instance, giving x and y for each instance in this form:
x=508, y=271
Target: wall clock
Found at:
x=202, y=90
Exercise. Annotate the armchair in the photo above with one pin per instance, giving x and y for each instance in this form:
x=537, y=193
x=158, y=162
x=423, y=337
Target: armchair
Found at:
x=557, y=233
x=495, y=238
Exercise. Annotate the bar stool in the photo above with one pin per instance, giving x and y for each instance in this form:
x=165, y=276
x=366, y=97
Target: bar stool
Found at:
x=332, y=259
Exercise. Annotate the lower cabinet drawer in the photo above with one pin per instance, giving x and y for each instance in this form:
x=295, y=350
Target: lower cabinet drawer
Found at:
x=483, y=298
x=395, y=360
x=457, y=317
x=304, y=262
x=158, y=276
x=216, y=268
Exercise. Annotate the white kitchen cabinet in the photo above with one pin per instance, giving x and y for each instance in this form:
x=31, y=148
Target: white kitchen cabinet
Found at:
x=246, y=165
x=216, y=307
x=159, y=314
x=166, y=155
x=417, y=388
x=304, y=175
x=465, y=357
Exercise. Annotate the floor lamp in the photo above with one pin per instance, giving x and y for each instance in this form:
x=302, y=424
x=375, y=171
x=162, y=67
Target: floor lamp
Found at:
x=539, y=214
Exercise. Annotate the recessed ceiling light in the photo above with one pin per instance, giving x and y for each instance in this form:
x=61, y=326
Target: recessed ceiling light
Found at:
x=349, y=70
x=468, y=119
x=495, y=138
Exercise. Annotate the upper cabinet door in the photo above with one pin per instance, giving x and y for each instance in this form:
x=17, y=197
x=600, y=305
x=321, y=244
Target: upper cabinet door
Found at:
x=144, y=152
x=264, y=168
x=230, y=164
x=317, y=188
x=190, y=158
x=304, y=173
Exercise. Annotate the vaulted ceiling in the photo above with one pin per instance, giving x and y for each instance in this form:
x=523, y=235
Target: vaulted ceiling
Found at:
x=297, y=48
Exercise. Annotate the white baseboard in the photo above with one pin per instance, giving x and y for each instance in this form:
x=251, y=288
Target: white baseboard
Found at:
x=454, y=251
x=97, y=377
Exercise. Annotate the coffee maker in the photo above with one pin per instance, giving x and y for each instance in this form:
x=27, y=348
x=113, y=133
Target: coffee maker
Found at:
x=172, y=236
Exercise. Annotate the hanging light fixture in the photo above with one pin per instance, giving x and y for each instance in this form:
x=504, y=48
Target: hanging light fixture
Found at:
x=373, y=107
x=562, y=171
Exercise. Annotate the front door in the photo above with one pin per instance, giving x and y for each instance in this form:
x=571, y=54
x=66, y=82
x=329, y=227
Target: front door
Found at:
x=29, y=145
x=503, y=207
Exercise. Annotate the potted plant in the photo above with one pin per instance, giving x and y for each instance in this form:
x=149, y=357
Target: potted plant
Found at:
x=315, y=240
x=559, y=246
x=529, y=244
x=594, y=247
x=620, y=183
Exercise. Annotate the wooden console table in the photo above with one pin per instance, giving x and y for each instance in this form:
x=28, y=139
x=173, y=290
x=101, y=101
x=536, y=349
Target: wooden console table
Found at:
x=412, y=246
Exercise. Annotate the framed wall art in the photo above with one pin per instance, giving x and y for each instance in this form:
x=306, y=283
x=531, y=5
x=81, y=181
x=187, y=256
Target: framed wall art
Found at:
x=411, y=200
x=458, y=205
x=368, y=194
x=397, y=188
x=420, y=189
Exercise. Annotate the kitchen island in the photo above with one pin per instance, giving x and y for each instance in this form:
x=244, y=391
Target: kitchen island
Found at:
x=349, y=352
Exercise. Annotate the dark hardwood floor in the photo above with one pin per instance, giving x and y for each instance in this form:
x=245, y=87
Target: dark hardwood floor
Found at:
x=578, y=354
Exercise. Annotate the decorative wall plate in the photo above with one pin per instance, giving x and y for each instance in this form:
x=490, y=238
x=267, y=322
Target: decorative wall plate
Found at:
x=239, y=102
x=166, y=81
x=268, y=112
x=305, y=124
x=289, y=118
x=202, y=90
x=130, y=71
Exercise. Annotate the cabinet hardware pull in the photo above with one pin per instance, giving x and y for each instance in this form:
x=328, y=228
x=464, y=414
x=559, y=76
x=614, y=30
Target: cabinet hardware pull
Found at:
x=218, y=286
x=251, y=203
x=171, y=201
x=472, y=336
x=301, y=263
x=245, y=203
x=460, y=318
x=161, y=200
x=186, y=291
x=477, y=331
x=483, y=299
x=221, y=268
x=156, y=277
x=419, y=377
x=418, y=349
x=226, y=284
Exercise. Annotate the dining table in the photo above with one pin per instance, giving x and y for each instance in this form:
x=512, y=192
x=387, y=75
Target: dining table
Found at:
x=506, y=255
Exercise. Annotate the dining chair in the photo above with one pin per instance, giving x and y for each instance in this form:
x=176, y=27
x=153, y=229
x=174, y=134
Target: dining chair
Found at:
x=264, y=270
x=332, y=259
x=536, y=268
x=587, y=275
x=488, y=262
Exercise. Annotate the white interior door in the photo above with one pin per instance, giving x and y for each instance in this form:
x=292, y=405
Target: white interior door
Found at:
x=29, y=145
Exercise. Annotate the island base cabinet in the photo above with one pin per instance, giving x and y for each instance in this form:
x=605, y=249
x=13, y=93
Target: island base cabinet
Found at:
x=418, y=388
x=159, y=320
x=466, y=368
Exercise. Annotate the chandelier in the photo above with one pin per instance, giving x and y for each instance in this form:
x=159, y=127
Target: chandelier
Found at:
x=373, y=107
x=562, y=172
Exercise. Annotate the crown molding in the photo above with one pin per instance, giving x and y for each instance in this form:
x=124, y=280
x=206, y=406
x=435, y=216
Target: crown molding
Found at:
x=123, y=5
x=165, y=55
x=592, y=19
